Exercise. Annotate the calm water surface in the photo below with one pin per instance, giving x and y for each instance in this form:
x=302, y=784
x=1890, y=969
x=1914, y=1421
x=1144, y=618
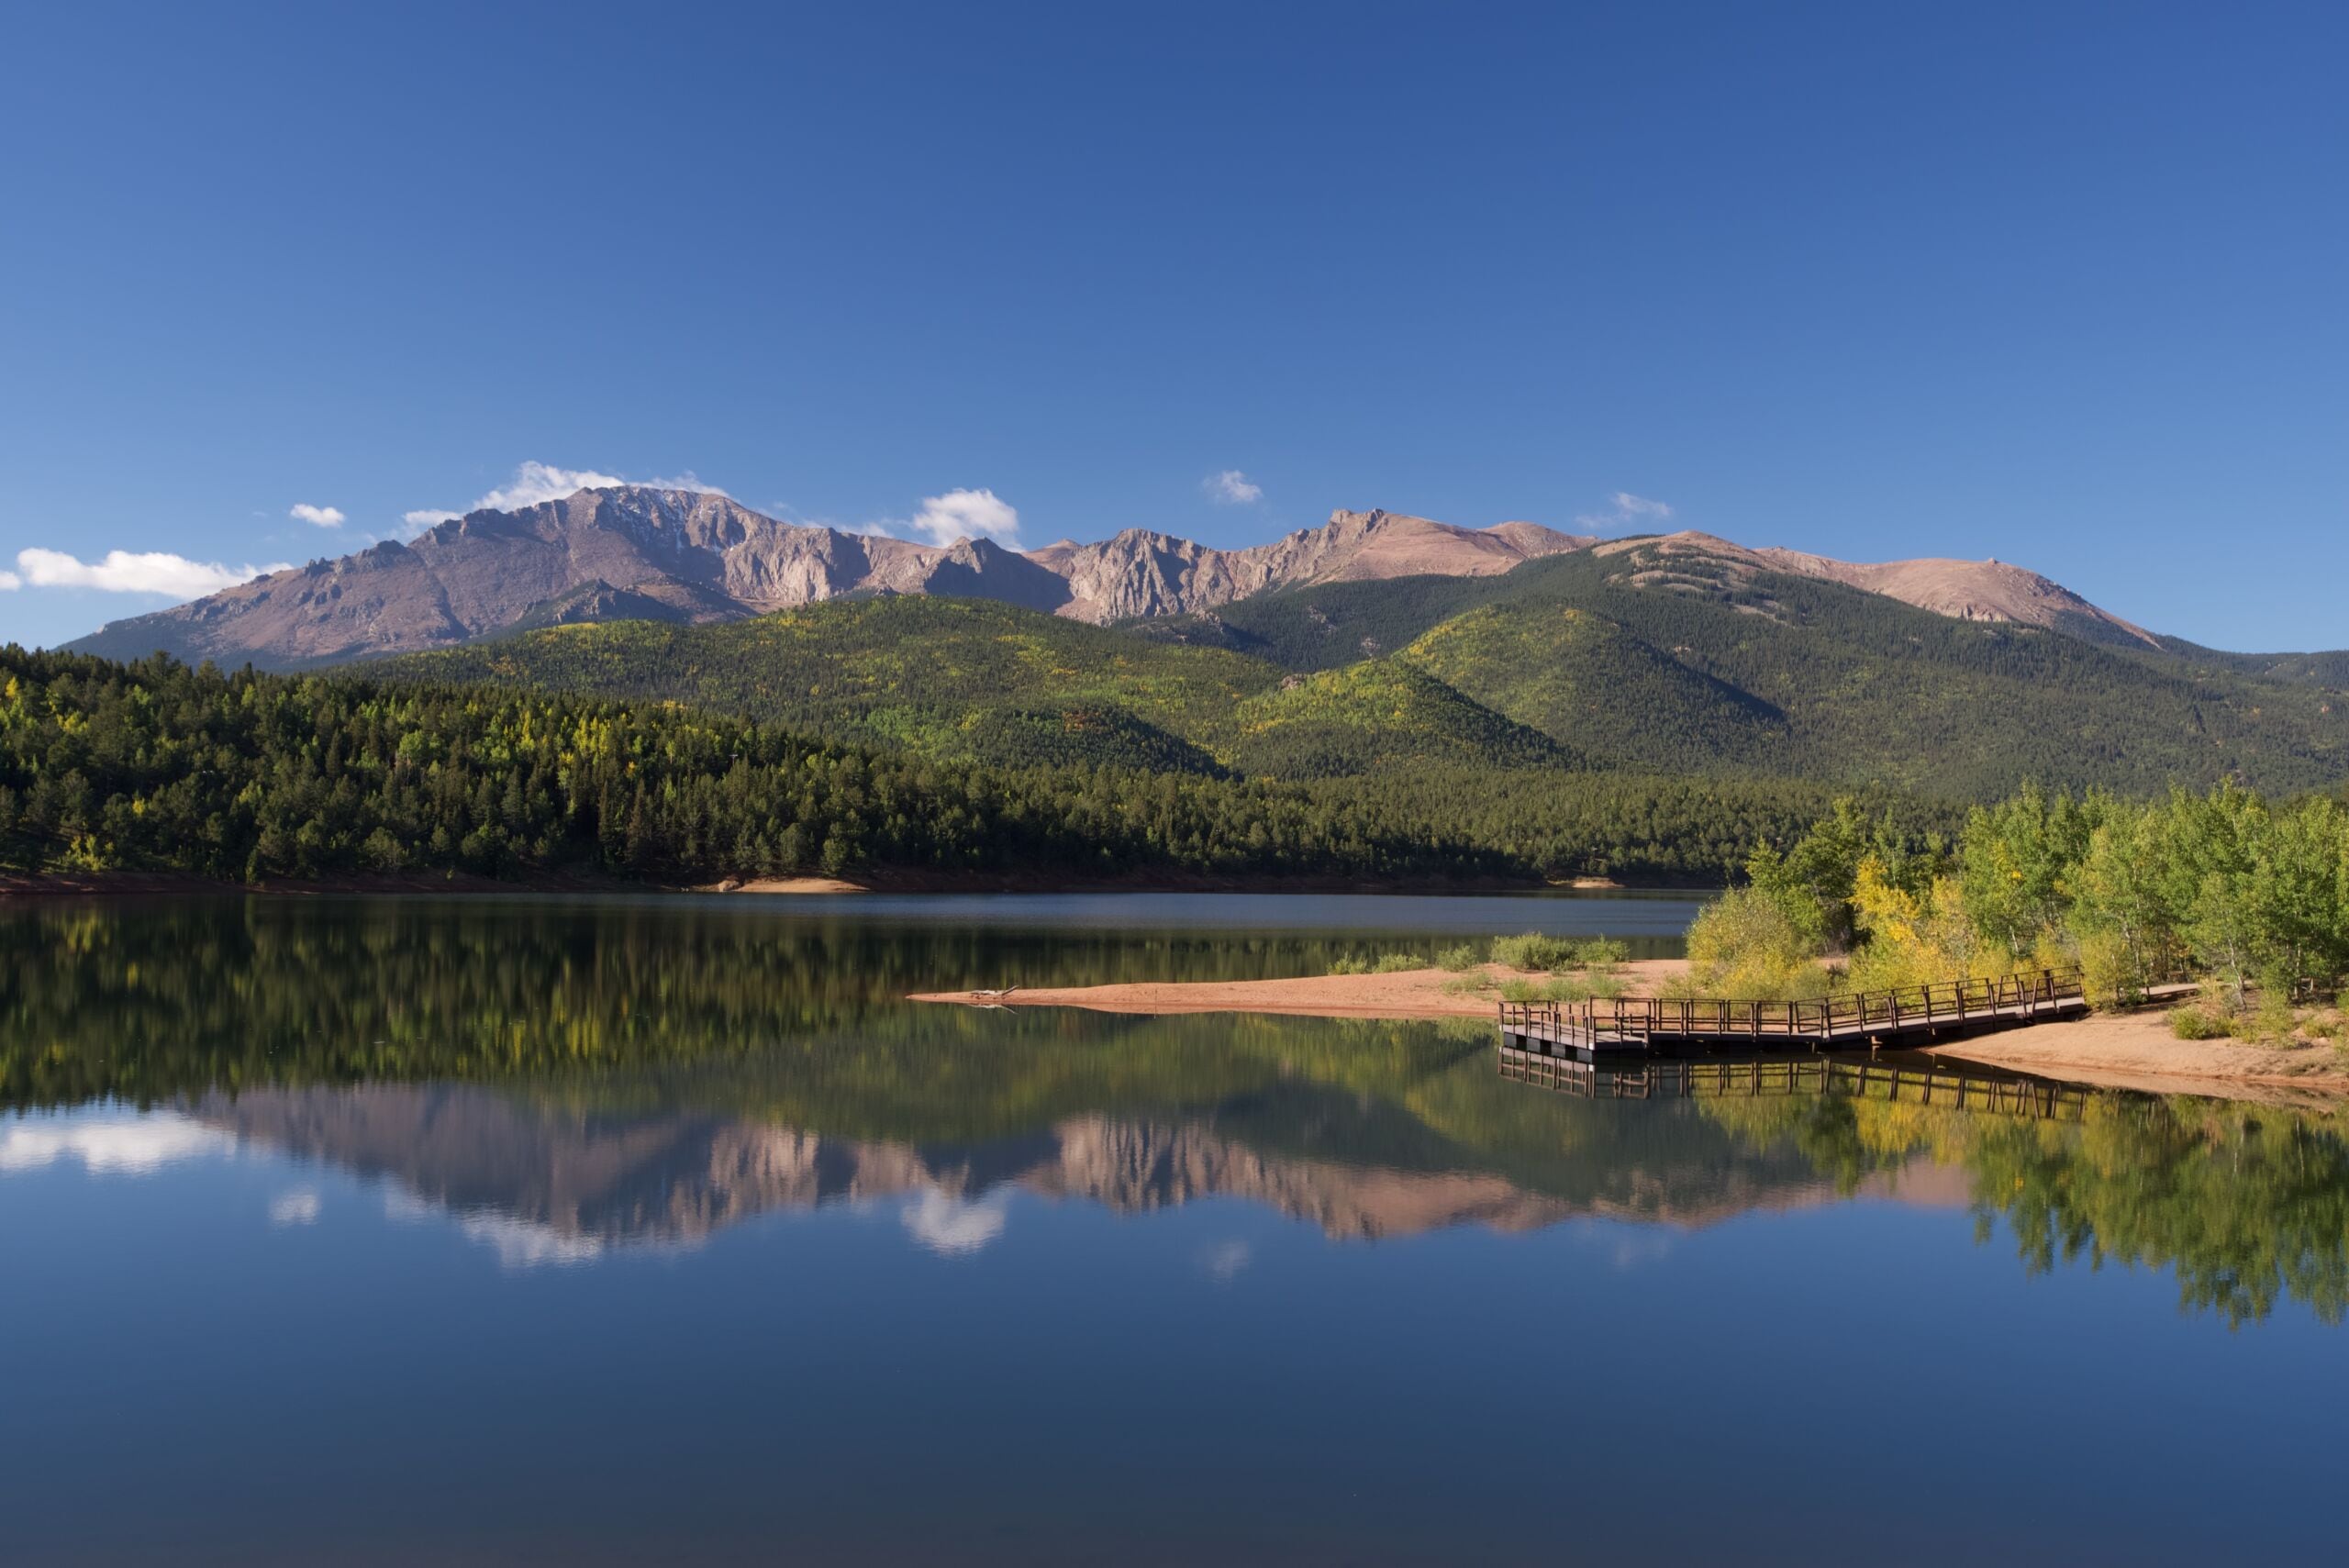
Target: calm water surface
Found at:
x=660, y=1230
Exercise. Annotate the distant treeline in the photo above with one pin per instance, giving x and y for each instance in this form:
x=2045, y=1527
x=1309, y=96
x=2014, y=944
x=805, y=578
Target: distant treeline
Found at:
x=156, y=766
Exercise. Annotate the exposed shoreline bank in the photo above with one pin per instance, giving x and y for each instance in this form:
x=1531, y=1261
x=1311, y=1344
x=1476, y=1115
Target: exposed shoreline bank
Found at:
x=2119, y=1051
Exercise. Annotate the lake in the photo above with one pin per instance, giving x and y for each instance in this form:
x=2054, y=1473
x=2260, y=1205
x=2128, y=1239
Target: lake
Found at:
x=659, y=1229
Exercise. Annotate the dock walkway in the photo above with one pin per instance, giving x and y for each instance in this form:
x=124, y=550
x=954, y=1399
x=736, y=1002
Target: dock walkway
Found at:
x=1858, y=1020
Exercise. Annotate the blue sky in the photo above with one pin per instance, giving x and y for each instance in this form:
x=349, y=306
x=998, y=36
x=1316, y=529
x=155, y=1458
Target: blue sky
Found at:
x=2063, y=285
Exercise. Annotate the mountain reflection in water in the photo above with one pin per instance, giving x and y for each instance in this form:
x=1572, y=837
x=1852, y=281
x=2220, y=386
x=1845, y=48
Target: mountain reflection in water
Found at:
x=568, y=1080
x=589, y=1183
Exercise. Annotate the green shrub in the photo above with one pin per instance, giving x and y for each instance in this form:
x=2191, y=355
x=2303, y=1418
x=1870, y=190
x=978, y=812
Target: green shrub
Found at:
x=1469, y=985
x=1459, y=959
x=1601, y=953
x=1399, y=964
x=1347, y=964
x=2274, y=1019
x=1518, y=990
x=1565, y=989
x=2196, y=1022
x=1534, y=949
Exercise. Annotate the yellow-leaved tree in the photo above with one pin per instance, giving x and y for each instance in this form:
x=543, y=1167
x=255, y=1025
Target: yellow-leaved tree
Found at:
x=1744, y=947
x=1917, y=938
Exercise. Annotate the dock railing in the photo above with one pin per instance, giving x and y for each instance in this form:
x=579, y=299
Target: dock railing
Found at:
x=1629, y=1020
x=1756, y=1077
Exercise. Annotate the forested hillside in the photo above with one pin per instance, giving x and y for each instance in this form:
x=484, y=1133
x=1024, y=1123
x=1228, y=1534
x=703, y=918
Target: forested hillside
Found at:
x=1649, y=715
x=939, y=677
x=1378, y=716
x=1570, y=673
x=984, y=681
x=2307, y=669
x=1677, y=665
x=155, y=766
x=1678, y=661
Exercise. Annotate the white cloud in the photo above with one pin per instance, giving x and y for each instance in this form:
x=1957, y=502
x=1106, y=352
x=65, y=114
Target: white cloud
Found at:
x=10, y=579
x=1231, y=488
x=299, y=1207
x=1224, y=1261
x=953, y=1227
x=403, y=1207
x=1630, y=511
x=156, y=571
x=967, y=514
x=316, y=516
x=534, y=483
x=1628, y=1246
x=526, y=1243
x=688, y=479
x=113, y=1145
x=519, y=1243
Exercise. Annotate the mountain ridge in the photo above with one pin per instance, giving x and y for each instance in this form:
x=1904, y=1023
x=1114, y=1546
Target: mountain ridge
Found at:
x=634, y=552
x=1565, y=666
x=703, y=556
x=1963, y=590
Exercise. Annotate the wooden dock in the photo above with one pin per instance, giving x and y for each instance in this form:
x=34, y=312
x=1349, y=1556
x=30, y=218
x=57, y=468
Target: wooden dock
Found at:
x=1650, y=1026
x=1756, y=1078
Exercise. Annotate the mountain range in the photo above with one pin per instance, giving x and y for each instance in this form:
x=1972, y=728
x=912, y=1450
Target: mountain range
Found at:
x=1376, y=645
x=634, y=552
x=1656, y=660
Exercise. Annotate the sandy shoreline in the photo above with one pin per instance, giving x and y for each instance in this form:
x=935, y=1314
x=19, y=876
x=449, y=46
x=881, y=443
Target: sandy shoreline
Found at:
x=2136, y=1050
x=1411, y=993
x=2121, y=1051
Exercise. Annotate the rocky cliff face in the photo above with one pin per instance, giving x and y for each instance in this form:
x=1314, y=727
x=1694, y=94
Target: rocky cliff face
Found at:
x=1138, y=573
x=685, y=555
x=702, y=557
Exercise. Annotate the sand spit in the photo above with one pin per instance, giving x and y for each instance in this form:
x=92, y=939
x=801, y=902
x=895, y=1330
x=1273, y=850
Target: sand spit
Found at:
x=1408, y=993
x=2120, y=1050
